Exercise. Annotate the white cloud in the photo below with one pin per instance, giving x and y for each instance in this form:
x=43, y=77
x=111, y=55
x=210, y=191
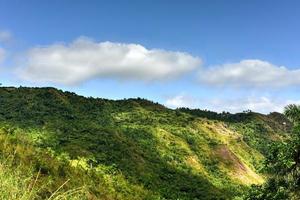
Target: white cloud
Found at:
x=250, y=73
x=5, y=36
x=256, y=104
x=84, y=59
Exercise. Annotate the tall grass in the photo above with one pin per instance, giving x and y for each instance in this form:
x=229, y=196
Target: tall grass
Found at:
x=18, y=182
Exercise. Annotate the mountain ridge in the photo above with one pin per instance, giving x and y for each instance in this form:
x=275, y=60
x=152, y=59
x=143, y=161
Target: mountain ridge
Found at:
x=156, y=152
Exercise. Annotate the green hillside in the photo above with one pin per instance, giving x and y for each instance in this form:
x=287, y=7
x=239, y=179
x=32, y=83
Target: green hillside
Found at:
x=58, y=145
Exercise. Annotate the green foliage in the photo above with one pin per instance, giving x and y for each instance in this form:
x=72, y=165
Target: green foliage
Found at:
x=283, y=165
x=273, y=189
x=292, y=111
x=132, y=148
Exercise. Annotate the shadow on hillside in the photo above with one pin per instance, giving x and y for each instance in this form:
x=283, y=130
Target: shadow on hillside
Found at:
x=134, y=152
x=84, y=127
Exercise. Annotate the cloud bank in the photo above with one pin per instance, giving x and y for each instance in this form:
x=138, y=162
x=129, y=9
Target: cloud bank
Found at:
x=249, y=73
x=84, y=59
x=257, y=104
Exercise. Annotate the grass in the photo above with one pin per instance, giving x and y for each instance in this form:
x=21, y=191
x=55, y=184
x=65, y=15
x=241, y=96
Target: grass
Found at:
x=18, y=182
x=15, y=183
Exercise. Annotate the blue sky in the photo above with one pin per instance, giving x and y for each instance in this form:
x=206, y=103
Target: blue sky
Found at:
x=219, y=55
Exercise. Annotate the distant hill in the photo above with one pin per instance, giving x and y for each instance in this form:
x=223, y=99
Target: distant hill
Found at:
x=131, y=148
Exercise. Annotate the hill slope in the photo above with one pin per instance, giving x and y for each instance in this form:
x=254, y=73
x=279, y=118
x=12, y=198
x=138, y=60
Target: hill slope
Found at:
x=131, y=149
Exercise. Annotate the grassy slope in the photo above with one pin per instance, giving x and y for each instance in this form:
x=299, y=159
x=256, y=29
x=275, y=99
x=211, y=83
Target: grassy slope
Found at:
x=131, y=149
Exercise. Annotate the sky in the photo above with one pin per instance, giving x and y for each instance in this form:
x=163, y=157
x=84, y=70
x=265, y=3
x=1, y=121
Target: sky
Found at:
x=220, y=55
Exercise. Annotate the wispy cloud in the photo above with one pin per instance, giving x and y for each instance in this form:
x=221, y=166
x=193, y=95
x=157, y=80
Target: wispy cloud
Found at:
x=84, y=59
x=181, y=100
x=250, y=73
x=2, y=55
x=5, y=36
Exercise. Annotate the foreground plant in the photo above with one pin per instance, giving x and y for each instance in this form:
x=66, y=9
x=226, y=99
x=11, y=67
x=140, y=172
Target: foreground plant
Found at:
x=283, y=165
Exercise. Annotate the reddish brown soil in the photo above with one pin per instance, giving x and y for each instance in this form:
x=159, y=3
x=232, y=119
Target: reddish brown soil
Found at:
x=229, y=158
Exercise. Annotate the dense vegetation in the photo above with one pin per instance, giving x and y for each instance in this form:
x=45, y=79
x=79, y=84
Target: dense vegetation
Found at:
x=58, y=145
x=282, y=163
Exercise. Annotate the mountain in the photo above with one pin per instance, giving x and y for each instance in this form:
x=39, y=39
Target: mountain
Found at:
x=60, y=145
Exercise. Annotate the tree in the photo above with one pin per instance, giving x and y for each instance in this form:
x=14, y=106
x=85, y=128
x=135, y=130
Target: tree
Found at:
x=292, y=112
x=283, y=164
